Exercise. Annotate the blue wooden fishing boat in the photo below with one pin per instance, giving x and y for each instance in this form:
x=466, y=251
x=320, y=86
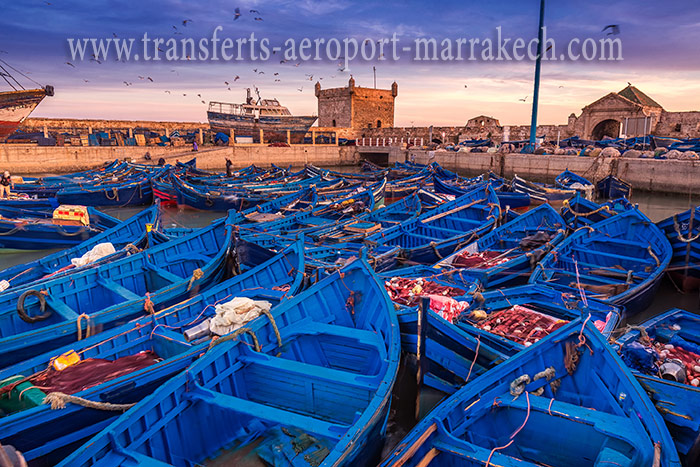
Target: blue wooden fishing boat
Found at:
x=511, y=319
x=328, y=212
x=621, y=262
x=132, y=231
x=129, y=193
x=668, y=375
x=507, y=254
x=42, y=204
x=612, y=187
x=317, y=392
x=683, y=232
x=540, y=192
x=214, y=200
x=364, y=224
x=125, y=364
x=442, y=230
x=449, y=356
x=70, y=307
x=29, y=229
x=569, y=180
x=579, y=211
x=506, y=196
x=566, y=400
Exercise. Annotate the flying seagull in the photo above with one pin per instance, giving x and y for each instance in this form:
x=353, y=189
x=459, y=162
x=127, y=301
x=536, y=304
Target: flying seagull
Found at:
x=614, y=29
x=238, y=14
x=523, y=100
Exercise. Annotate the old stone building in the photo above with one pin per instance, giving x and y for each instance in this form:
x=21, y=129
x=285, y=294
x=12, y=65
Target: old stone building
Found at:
x=356, y=107
x=629, y=113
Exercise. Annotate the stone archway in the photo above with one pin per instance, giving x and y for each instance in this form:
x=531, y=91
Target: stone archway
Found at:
x=609, y=127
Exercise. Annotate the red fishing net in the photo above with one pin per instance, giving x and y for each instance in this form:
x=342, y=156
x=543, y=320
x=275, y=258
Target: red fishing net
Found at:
x=691, y=360
x=520, y=324
x=484, y=259
x=91, y=372
x=409, y=291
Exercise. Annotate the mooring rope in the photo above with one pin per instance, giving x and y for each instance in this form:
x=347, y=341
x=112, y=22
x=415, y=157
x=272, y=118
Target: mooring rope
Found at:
x=196, y=275
x=88, y=328
x=234, y=335
x=58, y=400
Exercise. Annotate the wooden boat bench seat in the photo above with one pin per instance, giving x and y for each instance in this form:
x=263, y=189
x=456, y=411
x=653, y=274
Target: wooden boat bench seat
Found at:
x=616, y=241
x=316, y=221
x=612, y=271
x=120, y=290
x=162, y=273
x=644, y=261
x=364, y=337
x=430, y=229
x=193, y=256
x=612, y=426
x=350, y=381
x=64, y=311
x=257, y=410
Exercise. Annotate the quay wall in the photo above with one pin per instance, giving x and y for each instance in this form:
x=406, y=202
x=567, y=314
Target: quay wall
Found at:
x=659, y=176
x=21, y=159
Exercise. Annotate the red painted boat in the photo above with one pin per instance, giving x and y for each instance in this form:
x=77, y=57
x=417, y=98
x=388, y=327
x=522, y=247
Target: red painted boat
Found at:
x=15, y=106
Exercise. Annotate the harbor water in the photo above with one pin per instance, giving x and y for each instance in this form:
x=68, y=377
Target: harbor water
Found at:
x=655, y=206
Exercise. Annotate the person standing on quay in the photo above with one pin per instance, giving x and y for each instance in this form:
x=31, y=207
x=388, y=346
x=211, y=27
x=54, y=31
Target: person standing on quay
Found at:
x=5, y=184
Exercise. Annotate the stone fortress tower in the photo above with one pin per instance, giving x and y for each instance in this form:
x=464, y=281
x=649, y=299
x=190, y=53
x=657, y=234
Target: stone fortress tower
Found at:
x=356, y=107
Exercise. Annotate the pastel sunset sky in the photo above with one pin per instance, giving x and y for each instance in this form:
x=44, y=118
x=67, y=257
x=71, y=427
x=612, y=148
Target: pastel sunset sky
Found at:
x=660, y=50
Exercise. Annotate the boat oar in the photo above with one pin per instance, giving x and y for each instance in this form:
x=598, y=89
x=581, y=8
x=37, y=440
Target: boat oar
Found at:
x=452, y=211
x=614, y=273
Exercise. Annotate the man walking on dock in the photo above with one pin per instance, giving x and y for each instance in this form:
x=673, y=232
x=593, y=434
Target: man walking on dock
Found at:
x=5, y=184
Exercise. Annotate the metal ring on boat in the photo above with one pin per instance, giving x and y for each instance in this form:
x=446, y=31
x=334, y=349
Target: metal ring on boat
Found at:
x=42, y=307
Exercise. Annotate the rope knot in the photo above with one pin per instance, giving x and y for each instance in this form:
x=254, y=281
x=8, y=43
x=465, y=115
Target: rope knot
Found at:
x=148, y=305
x=517, y=386
x=196, y=275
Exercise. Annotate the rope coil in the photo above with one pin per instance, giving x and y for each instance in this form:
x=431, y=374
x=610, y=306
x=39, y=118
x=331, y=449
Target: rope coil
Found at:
x=680, y=236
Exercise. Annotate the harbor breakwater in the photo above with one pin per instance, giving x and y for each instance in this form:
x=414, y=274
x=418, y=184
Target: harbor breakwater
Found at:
x=658, y=176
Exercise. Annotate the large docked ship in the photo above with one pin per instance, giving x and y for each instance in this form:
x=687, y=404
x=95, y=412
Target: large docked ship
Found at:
x=247, y=119
x=15, y=106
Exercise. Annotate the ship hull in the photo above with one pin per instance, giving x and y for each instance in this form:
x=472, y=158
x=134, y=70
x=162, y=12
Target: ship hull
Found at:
x=248, y=126
x=15, y=106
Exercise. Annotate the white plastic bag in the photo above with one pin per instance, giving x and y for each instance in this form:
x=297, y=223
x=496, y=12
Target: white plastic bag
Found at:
x=236, y=313
x=99, y=251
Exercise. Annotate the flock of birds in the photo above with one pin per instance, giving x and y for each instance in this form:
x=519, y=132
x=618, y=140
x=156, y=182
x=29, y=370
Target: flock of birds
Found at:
x=612, y=29
x=277, y=78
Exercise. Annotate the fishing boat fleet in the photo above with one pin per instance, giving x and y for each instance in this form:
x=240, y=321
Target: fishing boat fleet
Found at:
x=275, y=335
